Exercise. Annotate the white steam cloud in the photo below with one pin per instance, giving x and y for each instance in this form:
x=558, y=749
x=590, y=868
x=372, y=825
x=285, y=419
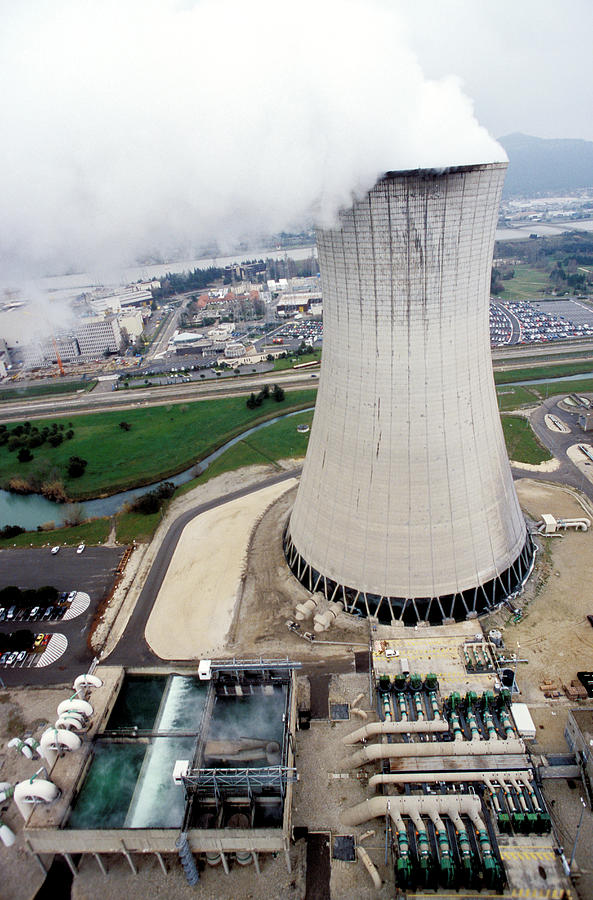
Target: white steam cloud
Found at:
x=136, y=124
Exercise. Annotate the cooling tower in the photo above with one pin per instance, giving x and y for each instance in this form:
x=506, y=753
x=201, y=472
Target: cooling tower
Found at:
x=406, y=507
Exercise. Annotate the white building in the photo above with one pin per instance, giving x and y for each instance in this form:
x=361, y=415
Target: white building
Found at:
x=95, y=336
x=234, y=349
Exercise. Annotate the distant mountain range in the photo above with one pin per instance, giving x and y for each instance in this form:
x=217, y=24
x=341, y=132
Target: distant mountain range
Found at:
x=540, y=166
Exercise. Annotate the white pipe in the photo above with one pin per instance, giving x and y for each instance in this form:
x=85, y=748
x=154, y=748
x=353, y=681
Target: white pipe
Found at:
x=74, y=721
x=87, y=681
x=447, y=777
x=432, y=748
x=34, y=790
x=305, y=610
x=56, y=741
x=7, y=835
x=6, y=791
x=75, y=705
x=374, y=728
x=34, y=745
x=357, y=699
x=21, y=747
x=412, y=806
x=358, y=712
x=369, y=866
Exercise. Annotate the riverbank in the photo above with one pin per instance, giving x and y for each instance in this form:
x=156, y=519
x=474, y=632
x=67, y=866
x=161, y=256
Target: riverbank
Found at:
x=140, y=447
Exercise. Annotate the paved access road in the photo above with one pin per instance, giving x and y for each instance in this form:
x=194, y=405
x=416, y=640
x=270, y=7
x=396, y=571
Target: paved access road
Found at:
x=92, y=571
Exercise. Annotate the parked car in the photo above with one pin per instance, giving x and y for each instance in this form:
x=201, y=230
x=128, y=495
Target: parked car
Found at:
x=34, y=613
x=38, y=641
x=11, y=614
x=80, y=548
x=63, y=597
x=4, y=658
x=11, y=659
x=22, y=656
x=2, y=613
x=71, y=596
x=55, y=550
x=59, y=613
x=47, y=614
x=46, y=640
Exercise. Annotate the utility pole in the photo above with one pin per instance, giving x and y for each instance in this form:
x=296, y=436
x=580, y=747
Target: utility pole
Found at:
x=576, y=840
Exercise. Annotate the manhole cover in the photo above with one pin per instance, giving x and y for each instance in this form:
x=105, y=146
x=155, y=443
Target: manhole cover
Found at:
x=338, y=711
x=344, y=848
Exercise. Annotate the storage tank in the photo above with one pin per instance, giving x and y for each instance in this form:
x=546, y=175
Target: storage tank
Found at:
x=406, y=507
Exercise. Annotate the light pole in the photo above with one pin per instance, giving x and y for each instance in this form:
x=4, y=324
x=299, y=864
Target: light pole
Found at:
x=514, y=688
x=574, y=848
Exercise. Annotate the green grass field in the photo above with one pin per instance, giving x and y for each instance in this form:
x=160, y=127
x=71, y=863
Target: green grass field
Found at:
x=46, y=389
x=536, y=372
x=516, y=397
x=94, y=532
x=162, y=440
x=522, y=444
x=528, y=282
x=280, y=364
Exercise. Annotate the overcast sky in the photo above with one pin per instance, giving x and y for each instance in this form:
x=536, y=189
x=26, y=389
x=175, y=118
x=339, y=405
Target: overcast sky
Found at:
x=527, y=64
x=133, y=125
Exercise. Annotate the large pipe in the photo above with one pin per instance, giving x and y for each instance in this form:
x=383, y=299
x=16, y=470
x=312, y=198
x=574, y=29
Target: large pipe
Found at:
x=427, y=804
x=403, y=727
x=87, y=681
x=34, y=791
x=56, y=741
x=369, y=866
x=74, y=704
x=447, y=777
x=432, y=748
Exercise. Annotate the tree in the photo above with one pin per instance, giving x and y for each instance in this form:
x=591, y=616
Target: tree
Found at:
x=25, y=455
x=76, y=466
x=125, y=426
x=55, y=439
x=278, y=393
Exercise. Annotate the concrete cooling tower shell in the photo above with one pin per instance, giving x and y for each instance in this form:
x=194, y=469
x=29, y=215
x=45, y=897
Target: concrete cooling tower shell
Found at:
x=406, y=507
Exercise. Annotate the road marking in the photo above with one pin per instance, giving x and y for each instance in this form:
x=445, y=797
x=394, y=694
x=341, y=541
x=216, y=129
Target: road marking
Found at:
x=56, y=648
x=79, y=605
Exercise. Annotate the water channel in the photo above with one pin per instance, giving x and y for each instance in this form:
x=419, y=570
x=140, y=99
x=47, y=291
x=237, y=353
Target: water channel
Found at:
x=31, y=510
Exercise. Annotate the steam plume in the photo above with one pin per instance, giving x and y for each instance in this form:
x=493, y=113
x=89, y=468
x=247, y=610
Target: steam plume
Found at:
x=131, y=124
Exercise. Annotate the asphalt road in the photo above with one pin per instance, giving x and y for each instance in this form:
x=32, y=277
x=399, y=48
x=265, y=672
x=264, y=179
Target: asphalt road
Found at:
x=92, y=571
x=157, y=396
x=558, y=443
x=132, y=649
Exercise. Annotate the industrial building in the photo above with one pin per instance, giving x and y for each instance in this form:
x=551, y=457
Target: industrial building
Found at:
x=406, y=508
x=184, y=764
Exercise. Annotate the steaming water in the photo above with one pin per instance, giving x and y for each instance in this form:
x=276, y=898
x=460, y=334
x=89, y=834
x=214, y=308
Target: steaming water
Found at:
x=130, y=784
x=157, y=800
x=32, y=510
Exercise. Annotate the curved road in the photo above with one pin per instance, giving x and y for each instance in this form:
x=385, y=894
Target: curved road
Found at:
x=132, y=649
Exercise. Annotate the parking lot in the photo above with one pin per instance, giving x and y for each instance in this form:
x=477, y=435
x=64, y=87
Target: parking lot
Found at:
x=90, y=573
x=532, y=322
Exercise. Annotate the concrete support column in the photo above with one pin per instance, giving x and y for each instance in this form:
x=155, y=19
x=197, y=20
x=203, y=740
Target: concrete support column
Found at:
x=100, y=863
x=70, y=862
x=256, y=862
x=161, y=861
x=287, y=858
x=129, y=859
x=225, y=863
x=37, y=857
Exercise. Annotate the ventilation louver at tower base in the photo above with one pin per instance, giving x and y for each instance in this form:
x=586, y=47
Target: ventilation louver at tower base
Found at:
x=406, y=507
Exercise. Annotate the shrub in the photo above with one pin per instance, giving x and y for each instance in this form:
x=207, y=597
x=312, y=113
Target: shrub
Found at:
x=24, y=455
x=76, y=466
x=152, y=501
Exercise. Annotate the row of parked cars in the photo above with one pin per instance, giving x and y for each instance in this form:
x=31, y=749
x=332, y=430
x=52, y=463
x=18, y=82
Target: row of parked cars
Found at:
x=38, y=613
x=12, y=658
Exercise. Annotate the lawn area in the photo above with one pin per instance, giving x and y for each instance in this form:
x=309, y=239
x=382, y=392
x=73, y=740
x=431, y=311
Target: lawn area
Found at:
x=161, y=440
x=527, y=282
x=522, y=444
x=94, y=532
x=135, y=526
x=278, y=441
x=536, y=372
x=280, y=364
x=515, y=397
x=42, y=390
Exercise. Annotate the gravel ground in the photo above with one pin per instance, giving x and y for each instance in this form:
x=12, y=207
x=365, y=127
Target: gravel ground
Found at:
x=24, y=712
